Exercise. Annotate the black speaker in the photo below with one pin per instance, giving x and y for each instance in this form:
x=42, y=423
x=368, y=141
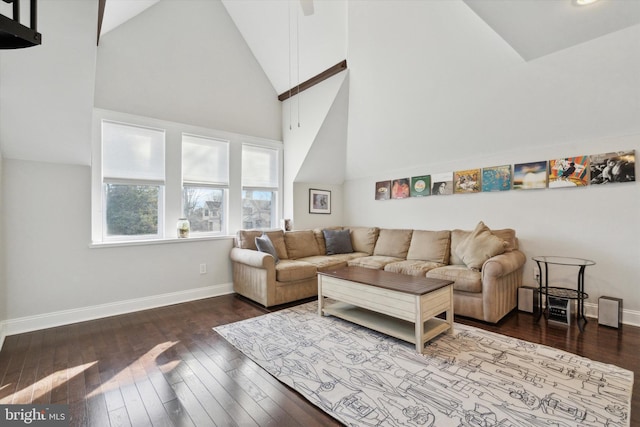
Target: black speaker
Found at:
x=560, y=310
x=610, y=311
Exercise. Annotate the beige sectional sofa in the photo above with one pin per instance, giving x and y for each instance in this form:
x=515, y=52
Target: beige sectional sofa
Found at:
x=485, y=265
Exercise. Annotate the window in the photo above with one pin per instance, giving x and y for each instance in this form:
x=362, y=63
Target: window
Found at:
x=148, y=173
x=205, y=183
x=132, y=181
x=260, y=183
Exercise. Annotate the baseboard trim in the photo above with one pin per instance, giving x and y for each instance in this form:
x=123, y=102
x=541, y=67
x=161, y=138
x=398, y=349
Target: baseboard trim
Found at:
x=65, y=317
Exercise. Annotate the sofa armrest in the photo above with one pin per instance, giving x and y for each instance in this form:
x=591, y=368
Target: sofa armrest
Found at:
x=253, y=258
x=503, y=264
x=501, y=278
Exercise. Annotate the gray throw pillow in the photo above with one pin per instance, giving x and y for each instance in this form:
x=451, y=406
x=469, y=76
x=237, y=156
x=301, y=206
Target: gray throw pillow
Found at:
x=337, y=241
x=264, y=244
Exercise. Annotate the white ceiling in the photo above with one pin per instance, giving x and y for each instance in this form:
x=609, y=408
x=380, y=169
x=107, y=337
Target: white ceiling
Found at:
x=536, y=28
x=117, y=12
x=533, y=28
x=277, y=30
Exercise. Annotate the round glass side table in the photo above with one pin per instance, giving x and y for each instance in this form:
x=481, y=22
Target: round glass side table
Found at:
x=546, y=291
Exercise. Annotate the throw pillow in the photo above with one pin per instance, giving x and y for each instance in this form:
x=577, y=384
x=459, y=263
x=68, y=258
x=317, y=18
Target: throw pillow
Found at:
x=264, y=244
x=479, y=246
x=337, y=241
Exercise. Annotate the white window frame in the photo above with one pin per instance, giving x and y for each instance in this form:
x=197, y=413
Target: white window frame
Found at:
x=126, y=181
x=202, y=184
x=277, y=203
x=172, y=208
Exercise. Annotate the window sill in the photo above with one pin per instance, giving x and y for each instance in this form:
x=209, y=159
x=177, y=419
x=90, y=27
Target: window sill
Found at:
x=165, y=241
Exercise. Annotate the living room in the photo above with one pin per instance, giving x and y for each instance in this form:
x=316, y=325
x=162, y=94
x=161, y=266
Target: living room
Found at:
x=430, y=88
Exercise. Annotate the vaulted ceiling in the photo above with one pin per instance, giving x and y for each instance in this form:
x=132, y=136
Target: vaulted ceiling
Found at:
x=291, y=47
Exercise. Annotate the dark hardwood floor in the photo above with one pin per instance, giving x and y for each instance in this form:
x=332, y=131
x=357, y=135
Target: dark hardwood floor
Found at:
x=167, y=367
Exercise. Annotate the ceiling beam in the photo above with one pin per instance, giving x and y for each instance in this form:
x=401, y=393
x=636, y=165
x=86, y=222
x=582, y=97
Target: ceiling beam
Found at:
x=329, y=72
x=101, y=5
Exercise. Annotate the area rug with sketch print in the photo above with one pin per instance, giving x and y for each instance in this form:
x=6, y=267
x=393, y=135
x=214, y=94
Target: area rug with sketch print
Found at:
x=469, y=378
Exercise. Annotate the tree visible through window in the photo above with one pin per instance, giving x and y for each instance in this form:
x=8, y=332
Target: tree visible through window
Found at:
x=133, y=180
x=203, y=208
x=132, y=209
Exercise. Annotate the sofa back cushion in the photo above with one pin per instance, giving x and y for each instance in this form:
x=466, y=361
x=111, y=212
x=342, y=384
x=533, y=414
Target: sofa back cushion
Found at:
x=301, y=244
x=363, y=239
x=318, y=232
x=263, y=243
x=479, y=246
x=246, y=239
x=393, y=243
x=430, y=246
x=509, y=236
x=337, y=242
x=457, y=236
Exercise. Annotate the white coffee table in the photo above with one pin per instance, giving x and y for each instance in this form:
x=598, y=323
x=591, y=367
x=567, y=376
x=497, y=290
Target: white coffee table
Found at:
x=398, y=305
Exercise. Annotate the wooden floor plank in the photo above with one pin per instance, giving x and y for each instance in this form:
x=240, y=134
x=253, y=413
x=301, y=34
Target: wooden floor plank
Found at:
x=167, y=367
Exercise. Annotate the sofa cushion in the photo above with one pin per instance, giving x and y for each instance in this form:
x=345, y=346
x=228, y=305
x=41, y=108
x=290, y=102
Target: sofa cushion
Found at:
x=412, y=267
x=479, y=246
x=263, y=244
x=246, y=239
x=337, y=242
x=290, y=270
x=457, y=236
x=430, y=246
x=376, y=262
x=466, y=280
x=393, y=243
x=363, y=239
x=326, y=262
x=320, y=237
x=509, y=236
x=301, y=244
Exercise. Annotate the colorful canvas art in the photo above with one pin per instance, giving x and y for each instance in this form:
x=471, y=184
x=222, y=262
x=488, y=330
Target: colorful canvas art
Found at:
x=496, y=178
x=529, y=176
x=467, y=181
x=383, y=190
x=400, y=188
x=420, y=186
x=569, y=172
x=612, y=167
x=442, y=183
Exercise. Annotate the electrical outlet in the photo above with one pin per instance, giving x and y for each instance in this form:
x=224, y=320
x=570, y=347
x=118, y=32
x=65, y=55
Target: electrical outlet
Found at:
x=203, y=268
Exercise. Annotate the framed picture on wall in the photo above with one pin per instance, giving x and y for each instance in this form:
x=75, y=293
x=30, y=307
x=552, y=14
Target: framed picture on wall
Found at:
x=612, y=167
x=319, y=201
x=383, y=190
x=400, y=188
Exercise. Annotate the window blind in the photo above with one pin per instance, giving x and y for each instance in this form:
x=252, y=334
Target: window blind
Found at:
x=259, y=166
x=132, y=152
x=205, y=160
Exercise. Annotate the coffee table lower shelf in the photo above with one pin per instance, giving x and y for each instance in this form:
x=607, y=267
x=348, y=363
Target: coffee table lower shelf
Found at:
x=388, y=325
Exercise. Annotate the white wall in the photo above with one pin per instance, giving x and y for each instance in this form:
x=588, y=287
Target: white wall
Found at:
x=315, y=150
x=47, y=90
x=3, y=271
x=433, y=89
x=595, y=222
x=430, y=80
x=52, y=269
x=303, y=220
x=186, y=62
x=192, y=68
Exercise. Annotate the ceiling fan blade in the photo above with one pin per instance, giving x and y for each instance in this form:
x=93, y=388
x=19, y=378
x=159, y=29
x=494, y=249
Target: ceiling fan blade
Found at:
x=307, y=7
